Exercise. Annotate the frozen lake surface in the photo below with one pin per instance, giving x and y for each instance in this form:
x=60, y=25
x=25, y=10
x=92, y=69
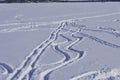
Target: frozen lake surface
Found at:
x=60, y=41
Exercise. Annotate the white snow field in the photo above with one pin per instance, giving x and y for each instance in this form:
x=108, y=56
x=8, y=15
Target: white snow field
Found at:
x=60, y=41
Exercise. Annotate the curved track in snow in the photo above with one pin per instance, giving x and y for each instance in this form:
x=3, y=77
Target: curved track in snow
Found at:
x=7, y=69
x=45, y=74
x=27, y=69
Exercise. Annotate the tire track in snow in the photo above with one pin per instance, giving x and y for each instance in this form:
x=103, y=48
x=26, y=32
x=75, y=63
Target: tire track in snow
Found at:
x=45, y=74
x=79, y=55
x=8, y=69
x=111, y=32
x=65, y=37
x=31, y=60
x=56, y=48
x=28, y=21
x=29, y=63
x=100, y=40
x=74, y=50
x=54, y=22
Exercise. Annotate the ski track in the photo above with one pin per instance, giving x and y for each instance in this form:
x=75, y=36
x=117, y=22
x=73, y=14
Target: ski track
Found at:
x=45, y=74
x=66, y=60
x=49, y=23
x=28, y=66
x=7, y=69
x=100, y=40
x=30, y=61
x=29, y=21
x=114, y=33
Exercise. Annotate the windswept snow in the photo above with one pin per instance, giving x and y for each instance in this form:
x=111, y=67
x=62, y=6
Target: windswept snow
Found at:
x=73, y=41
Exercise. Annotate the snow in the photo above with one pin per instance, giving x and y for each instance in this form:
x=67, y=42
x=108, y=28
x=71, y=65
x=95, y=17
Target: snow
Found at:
x=59, y=41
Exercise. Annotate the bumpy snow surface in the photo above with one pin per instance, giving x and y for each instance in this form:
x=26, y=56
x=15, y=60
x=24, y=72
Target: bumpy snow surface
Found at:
x=60, y=41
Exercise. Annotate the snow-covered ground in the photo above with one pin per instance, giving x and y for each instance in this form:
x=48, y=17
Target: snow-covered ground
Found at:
x=60, y=41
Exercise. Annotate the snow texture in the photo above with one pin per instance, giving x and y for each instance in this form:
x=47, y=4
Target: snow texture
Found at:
x=73, y=41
